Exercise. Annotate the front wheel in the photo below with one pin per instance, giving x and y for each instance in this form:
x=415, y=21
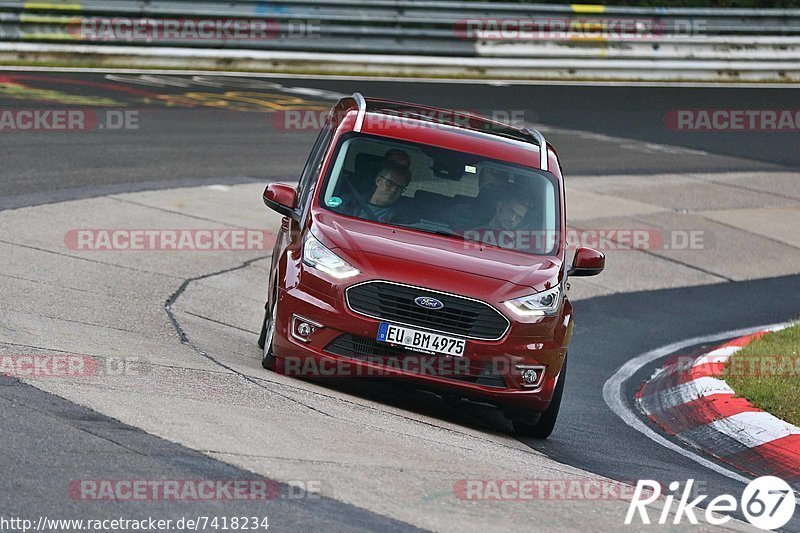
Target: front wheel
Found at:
x=263, y=335
x=547, y=421
x=268, y=334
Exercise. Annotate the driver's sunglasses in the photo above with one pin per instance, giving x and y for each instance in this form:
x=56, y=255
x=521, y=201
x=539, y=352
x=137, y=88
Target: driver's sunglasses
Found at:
x=393, y=184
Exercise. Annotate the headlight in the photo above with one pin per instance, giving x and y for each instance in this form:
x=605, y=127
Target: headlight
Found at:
x=317, y=256
x=539, y=304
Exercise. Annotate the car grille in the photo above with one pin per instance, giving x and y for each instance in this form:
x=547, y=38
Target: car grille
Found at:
x=459, y=316
x=397, y=357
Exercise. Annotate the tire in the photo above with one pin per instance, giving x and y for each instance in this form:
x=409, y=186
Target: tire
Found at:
x=268, y=332
x=547, y=421
x=263, y=334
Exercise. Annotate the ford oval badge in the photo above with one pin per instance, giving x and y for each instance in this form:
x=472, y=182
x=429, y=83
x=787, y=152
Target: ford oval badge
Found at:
x=428, y=303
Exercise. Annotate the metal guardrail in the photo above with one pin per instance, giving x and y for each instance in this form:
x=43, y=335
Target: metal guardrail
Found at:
x=723, y=38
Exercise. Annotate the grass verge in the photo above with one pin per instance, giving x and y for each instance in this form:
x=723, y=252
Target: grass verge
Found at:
x=767, y=373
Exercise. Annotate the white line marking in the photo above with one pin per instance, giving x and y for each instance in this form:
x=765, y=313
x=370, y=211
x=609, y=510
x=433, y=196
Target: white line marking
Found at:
x=754, y=428
x=720, y=355
x=615, y=397
x=692, y=390
x=456, y=81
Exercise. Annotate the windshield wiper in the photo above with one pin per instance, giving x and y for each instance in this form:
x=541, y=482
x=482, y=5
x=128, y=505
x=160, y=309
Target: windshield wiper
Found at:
x=447, y=233
x=436, y=229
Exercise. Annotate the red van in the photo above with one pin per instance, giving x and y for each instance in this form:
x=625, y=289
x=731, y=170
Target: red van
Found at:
x=427, y=245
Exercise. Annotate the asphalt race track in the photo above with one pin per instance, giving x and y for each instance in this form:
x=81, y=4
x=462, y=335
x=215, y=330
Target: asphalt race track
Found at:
x=229, y=131
x=175, y=133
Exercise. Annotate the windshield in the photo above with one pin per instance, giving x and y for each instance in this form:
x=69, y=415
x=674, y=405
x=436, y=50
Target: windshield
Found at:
x=457, y=194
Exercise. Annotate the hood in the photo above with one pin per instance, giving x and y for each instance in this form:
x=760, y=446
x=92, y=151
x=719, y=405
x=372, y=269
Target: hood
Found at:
x=415, y=256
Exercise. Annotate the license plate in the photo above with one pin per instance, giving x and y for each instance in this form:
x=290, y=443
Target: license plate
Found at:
x=420, y=341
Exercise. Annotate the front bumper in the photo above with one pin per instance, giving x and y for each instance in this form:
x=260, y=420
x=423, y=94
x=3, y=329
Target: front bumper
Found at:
x=342, y=344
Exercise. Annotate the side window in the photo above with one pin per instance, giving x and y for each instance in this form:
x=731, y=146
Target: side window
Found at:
x=313, y=165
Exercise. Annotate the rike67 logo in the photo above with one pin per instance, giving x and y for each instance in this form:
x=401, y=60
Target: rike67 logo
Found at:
x=767, y=502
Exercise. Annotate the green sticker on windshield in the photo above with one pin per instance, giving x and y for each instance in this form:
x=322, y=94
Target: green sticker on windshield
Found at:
x=333, y=201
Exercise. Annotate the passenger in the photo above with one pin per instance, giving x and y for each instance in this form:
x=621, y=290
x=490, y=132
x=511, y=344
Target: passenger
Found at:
x=384, y=204
x=492, y=184
x=510, y=212
x=503, y=228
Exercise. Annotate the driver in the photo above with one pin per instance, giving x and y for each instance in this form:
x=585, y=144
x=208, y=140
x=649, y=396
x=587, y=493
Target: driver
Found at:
x=384, y=204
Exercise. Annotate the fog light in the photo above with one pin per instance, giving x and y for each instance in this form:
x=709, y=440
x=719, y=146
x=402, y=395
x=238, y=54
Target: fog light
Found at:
x=532, y=375
x=302, y=328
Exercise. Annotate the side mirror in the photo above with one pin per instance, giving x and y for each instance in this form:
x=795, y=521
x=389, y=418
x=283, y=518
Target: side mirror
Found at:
x=587, y=262
x=283, y=199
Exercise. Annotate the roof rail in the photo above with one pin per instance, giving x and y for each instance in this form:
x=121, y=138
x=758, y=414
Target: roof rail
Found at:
x=487, y=126
x=536, y=134
x=362, y=111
